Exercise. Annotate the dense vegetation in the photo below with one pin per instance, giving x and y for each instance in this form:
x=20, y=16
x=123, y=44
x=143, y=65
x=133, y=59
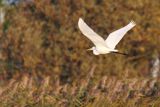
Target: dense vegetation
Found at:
x=43, y=54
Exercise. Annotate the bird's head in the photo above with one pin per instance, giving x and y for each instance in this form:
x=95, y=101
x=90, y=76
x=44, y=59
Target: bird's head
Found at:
x=95, y=52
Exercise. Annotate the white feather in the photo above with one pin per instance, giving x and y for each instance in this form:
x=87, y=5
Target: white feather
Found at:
x=104, y=46
x=90, y=34
x=114, y=37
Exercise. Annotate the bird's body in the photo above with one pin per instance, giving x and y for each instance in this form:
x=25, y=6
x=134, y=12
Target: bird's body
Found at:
x=102, y=50
x=104, y=46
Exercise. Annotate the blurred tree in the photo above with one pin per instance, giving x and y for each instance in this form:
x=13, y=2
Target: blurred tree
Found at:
x=43, y=37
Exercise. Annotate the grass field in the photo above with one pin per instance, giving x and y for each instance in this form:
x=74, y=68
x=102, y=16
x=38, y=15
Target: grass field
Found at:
x=30, y=91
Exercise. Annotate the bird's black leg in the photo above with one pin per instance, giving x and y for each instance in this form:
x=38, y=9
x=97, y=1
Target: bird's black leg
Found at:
x=121, y=53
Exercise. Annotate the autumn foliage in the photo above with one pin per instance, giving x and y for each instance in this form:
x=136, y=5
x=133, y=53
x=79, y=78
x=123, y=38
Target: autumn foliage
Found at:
x=41, y=39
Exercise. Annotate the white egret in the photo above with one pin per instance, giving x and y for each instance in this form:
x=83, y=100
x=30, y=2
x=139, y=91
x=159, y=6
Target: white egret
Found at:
x=104, y=46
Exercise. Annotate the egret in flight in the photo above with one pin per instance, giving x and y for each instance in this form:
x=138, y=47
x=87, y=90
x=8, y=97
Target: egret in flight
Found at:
x=104, y=46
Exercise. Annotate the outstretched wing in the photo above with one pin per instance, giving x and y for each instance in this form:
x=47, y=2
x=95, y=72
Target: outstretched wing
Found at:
x=90, y=34
x=114, y=37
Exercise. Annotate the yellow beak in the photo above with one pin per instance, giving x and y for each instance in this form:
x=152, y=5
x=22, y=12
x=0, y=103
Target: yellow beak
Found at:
x=89, y=49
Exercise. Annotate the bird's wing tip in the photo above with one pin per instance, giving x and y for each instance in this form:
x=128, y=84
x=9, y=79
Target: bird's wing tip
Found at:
x=133, y=22
x=79, y=21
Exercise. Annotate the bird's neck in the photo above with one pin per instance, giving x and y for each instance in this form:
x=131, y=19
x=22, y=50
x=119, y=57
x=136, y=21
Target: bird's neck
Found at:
x=95, y=52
